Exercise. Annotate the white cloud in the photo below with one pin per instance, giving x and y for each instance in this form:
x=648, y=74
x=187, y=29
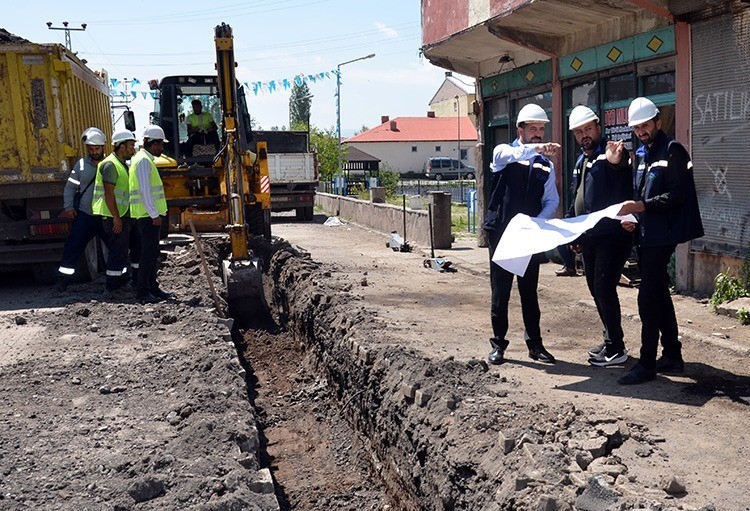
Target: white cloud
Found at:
x=387, y=31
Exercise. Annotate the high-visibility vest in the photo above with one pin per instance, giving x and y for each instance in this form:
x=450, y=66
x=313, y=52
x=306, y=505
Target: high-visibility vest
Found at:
x=137, y=207
x=98, y=204
x=202, y=121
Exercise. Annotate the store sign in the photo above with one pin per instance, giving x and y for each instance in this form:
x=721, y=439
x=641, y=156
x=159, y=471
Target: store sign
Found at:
x=616, y=126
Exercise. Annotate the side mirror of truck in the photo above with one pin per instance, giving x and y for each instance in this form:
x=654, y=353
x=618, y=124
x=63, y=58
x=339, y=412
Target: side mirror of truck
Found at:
x=129, y=118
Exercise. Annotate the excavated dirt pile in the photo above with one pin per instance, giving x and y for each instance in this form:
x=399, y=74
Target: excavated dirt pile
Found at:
x=443, y=434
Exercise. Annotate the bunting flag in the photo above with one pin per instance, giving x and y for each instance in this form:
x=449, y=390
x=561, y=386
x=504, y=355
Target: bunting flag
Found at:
x=134, y=87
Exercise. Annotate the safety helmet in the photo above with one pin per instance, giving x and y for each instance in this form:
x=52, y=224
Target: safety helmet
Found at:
x=93, y=136
x=155, y=133
x=122, y=136
x=531, y=113
x=641, y=110
x=581, y=115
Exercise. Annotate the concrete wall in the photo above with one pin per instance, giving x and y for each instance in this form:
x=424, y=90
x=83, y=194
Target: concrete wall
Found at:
x=399, y=157
x=386, y=217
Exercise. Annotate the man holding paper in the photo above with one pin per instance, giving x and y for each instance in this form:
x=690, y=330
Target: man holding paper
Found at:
x=603, y=177
x=523, y=181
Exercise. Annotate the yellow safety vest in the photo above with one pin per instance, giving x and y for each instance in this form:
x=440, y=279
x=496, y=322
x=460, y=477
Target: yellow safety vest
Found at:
x=202, y=121
x=137, y=208
x=98, y=204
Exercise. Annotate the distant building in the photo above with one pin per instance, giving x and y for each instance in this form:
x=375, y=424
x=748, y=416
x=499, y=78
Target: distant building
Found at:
x=454, y=96
x=404, y=144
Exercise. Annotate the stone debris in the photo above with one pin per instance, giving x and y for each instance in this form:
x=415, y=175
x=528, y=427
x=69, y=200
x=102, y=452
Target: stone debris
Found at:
x=672, y=485
x=146, y=488
x=20, y=320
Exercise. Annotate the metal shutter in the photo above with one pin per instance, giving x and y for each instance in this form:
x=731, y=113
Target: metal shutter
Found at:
x=721, y=131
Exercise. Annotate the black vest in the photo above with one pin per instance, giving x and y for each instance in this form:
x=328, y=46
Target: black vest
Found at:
x=517, y=188
x=664, y=179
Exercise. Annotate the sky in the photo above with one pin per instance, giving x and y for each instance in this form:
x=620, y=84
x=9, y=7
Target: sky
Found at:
x=275, y=40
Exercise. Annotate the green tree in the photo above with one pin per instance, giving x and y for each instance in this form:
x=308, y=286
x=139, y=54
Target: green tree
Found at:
x=299, y=106
x=325, y=143
x=361, y=130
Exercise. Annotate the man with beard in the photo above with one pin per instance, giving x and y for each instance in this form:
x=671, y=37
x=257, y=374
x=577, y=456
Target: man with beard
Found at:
x=603, y=176
x=111, y=204
x=77, y=198
x=148, y=208
x=668, y=214
x=523, y=181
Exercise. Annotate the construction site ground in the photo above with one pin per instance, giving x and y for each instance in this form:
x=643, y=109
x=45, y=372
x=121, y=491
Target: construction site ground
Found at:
x=108, y=404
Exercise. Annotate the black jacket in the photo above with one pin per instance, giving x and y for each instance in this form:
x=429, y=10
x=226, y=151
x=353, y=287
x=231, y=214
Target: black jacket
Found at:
x=664, y=182
x=605, y=184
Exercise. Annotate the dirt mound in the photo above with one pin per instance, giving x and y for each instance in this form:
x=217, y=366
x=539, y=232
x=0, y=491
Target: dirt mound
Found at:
x=8, y=38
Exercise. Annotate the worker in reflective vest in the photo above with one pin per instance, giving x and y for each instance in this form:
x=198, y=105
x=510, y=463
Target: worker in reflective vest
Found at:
x=77, y=199
x=148, y=208
x=201, y=128
x=111, y=202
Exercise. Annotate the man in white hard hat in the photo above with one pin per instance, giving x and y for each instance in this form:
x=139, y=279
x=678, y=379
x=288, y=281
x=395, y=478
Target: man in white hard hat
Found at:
x=111, y=203
x=523, y=181
x=148, y=208
x=603, y=176
x=77, y=198
x=668, y=214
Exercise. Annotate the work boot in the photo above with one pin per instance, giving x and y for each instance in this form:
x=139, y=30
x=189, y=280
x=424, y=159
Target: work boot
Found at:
x=62, y=283
x=637, y=375
x=537, y=352
x=161, y=294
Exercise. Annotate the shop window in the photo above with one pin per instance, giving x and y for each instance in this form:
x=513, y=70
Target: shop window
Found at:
x=584, y=94
x=619, y=88
x=658, y=84
x=497, y=111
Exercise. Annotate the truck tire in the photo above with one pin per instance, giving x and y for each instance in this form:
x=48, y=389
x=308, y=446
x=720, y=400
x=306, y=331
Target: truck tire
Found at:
x=304, y=214
x=88, y=263
x=258, y=221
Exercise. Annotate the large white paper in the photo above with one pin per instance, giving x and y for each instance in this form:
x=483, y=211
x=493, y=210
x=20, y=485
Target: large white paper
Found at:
x=526, y=236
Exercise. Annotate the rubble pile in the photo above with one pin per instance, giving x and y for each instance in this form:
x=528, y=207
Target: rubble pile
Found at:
x=450, y=435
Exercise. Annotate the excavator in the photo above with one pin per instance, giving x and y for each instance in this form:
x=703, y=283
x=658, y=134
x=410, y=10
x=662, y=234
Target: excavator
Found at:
x=216, y=182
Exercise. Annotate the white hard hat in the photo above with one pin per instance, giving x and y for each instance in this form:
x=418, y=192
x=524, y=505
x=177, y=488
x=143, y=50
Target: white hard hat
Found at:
x=581, y=115
x=122, y=136
x=154, y=132
x=641, y=110
x=531, y=113
x=94, y=136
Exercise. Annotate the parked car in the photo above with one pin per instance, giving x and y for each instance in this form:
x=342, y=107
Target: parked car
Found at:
x=442, y=167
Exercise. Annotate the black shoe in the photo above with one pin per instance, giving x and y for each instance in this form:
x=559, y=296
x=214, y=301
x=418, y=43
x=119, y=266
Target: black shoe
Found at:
x=147, y=298
x=638, y=374
x=541, y=354
x=596, y=351
x=670, y=365
x=164, y=295
x=497, y=355
x=565, y=271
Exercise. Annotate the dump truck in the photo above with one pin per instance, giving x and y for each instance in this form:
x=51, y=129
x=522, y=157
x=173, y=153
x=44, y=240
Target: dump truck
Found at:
x=48, y=97
x=293, y=170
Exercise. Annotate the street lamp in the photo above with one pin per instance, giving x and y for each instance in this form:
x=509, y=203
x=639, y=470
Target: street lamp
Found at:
x=338, y=107
x=458, y=143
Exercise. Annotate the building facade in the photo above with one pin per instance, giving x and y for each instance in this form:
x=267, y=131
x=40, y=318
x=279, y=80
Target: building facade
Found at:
x=691, y=58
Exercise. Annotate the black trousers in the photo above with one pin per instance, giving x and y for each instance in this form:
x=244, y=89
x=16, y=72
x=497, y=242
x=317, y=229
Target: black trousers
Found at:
x=655, y=306
x=603, y=260
x=501, y=282
x=117, y=252
x=83, y=230
x=134, y=246
x=149, y=256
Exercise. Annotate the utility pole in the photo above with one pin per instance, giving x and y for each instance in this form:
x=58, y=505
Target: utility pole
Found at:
x=67, y=32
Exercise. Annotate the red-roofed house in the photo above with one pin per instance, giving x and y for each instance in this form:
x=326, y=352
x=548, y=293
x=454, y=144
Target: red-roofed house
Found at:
x=404, y=144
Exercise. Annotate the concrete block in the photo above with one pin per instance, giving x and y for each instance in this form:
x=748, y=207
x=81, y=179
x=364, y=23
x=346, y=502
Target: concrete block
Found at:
x=449, y=402
x=596, y=446
x=408, y=390
x=507, y=440
x=262, y=482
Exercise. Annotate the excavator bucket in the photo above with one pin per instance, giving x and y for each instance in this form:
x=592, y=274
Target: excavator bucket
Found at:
x=243, y=280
